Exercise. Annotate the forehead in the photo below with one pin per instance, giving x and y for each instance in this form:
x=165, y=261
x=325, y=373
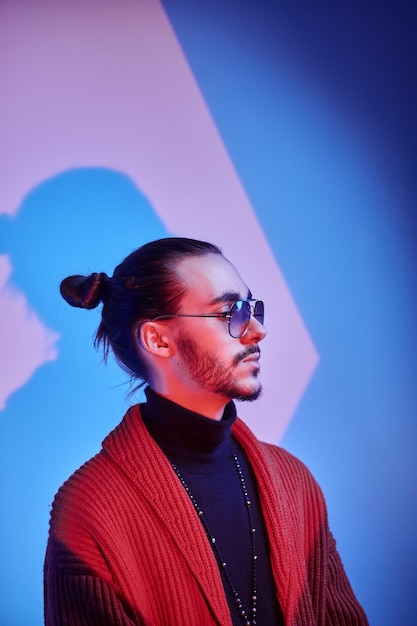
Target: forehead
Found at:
x=209, y=277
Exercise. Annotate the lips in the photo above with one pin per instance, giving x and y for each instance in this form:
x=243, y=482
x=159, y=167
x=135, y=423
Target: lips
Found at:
x=251, y=355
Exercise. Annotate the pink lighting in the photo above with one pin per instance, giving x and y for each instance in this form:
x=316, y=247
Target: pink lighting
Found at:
x=149, y=121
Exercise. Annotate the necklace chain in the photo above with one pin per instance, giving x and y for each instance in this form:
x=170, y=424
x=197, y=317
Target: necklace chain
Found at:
x=248, y=620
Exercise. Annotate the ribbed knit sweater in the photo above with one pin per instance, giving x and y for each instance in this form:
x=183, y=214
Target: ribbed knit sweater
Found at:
x=126, y=547
x=202, y=450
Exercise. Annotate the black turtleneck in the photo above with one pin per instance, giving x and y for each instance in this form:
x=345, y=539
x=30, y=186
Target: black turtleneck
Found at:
x=202, y=448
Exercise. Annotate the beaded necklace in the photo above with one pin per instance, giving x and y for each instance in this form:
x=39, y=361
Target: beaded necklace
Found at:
x=247, y=620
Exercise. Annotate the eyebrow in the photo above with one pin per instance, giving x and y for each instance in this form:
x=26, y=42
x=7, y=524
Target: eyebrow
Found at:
x=230, y=296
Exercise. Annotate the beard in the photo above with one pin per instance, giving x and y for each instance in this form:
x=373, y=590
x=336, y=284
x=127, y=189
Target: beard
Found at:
x=208, y=371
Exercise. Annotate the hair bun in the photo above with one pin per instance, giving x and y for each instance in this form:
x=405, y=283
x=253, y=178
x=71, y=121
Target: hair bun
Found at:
x=85, y=292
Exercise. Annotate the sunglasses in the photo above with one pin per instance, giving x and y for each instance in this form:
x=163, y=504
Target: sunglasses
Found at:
x=238, y=316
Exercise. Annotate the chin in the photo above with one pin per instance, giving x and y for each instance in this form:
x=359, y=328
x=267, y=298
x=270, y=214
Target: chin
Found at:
x=248, y=395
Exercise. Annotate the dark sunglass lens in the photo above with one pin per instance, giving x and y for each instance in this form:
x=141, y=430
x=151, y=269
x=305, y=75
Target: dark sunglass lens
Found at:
x=239, y=318
x=259, y=312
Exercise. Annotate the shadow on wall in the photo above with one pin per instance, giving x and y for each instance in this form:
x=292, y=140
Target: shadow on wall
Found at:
x=80, y=221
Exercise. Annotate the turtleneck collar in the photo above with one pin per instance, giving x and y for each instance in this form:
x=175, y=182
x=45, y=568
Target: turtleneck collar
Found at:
x=182, y=433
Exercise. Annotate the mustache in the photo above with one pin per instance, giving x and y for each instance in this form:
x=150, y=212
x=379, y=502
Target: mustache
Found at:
x=245, y=353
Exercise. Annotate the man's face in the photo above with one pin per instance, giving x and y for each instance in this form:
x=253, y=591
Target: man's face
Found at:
x=212, y=361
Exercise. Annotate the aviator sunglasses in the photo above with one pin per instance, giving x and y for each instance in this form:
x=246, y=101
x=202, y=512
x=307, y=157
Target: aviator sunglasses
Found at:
x=238, y=316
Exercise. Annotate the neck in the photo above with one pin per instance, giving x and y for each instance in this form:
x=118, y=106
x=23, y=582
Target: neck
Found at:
x=207, y=404
x=184, y=434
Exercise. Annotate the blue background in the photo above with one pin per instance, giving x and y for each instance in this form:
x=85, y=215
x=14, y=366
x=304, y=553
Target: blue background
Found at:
x=316, y=103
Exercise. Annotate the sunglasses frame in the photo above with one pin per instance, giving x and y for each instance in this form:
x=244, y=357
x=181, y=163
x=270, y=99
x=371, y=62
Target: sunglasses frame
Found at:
x=226, y=316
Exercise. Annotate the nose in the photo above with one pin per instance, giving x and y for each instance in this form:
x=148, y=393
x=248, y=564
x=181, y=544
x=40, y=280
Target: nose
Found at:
x=255, y=332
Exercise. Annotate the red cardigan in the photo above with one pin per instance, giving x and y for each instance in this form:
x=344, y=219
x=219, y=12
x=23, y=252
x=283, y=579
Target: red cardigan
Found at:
x=126, y=547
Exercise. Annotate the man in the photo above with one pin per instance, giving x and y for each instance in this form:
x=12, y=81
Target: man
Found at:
x=184, y=517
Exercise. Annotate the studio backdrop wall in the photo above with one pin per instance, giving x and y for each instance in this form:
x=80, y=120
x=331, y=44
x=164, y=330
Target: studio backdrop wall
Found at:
x=284, y=133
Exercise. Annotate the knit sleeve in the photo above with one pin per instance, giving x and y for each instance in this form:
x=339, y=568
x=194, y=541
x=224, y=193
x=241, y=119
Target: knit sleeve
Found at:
x=73, y=596
x=342, y=606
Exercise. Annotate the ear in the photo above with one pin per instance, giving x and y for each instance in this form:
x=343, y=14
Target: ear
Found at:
x=155, y=339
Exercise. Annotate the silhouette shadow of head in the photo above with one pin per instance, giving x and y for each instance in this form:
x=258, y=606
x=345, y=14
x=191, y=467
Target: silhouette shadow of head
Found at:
x=80, y=221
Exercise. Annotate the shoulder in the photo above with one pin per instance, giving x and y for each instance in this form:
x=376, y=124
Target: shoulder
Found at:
x=280, y=464
x=87, y=490
x=124, y=476
x=93, y=487
x=280, y=456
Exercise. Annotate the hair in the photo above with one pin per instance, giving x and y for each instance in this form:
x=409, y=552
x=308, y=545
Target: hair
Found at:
x=143, y=286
